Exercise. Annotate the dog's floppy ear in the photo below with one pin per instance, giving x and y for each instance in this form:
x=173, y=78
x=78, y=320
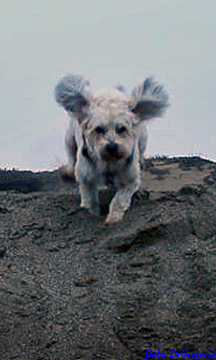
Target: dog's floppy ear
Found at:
x=72, y=92
x=149, y=100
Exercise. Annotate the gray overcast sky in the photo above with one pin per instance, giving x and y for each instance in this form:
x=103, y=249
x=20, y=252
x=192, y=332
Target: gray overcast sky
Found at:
x=112, y=42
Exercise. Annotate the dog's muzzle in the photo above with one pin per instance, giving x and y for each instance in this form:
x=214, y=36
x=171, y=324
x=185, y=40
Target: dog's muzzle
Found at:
x=111, y=152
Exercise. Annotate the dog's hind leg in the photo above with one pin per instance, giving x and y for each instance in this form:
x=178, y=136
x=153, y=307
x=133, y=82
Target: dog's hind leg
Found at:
x=67, y=172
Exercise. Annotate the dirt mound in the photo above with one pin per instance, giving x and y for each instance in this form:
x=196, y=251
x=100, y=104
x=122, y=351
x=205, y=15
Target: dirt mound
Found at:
x=73, y=288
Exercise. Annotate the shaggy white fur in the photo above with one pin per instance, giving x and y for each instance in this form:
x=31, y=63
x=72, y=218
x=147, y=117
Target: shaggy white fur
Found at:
x=107, y=138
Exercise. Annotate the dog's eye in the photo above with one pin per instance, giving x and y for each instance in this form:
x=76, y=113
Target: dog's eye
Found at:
x=121, y=130
x=100, y=130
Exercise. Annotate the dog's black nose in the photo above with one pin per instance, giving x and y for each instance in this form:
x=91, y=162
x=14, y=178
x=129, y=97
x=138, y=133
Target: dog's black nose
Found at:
x=112, y=148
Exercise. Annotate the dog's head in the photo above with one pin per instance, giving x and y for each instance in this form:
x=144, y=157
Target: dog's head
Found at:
x=109, y=120
x=108, y=131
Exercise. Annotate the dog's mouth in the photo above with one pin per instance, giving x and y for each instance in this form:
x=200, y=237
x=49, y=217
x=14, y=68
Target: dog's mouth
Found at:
x=112, y=157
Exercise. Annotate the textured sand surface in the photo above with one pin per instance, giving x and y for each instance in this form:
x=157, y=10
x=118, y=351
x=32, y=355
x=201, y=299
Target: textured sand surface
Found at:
x=73, y=288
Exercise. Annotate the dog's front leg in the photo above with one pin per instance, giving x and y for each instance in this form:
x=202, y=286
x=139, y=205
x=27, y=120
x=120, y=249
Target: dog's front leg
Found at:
x=121, y=202
x=89, y=197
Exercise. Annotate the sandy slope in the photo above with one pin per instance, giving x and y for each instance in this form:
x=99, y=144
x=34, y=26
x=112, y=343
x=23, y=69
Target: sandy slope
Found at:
x=73, y=288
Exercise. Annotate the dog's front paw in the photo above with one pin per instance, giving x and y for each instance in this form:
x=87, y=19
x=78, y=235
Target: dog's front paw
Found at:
x=114, y=217
x=92, y=210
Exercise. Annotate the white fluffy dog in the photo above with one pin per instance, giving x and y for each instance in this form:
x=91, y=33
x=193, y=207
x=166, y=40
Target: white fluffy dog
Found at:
x=107, y=138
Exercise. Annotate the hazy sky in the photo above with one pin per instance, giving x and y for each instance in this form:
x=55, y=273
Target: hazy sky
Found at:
x=115, y=41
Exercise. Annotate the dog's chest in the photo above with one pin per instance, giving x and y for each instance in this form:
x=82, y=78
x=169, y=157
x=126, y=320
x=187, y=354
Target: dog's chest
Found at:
x=108, y=180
